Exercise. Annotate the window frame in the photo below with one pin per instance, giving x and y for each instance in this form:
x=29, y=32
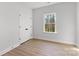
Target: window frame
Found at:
x=49, y=20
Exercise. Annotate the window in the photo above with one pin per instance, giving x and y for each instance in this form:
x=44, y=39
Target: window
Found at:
x=50, y=23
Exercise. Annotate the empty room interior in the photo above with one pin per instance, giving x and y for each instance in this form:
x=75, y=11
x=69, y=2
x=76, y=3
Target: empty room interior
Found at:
x=39, y=28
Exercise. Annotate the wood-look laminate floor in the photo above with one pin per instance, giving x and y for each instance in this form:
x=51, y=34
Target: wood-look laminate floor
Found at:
x=43, y=48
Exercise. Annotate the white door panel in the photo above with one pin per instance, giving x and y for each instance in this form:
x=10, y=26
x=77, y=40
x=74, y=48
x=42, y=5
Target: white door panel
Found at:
x=25, y=23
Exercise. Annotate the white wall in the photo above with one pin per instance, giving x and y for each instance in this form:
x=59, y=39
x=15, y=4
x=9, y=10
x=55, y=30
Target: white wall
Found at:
x=65, y=22
x=77, y=26
x=9, y=23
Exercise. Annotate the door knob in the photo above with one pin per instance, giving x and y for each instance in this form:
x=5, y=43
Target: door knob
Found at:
x=26, y=29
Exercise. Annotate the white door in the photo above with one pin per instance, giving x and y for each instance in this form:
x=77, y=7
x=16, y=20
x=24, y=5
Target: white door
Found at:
x=25, y=25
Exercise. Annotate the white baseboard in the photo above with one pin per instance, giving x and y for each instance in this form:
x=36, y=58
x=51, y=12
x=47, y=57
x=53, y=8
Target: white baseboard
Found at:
x=9, y=49
x=26, y=40
x=60, y=41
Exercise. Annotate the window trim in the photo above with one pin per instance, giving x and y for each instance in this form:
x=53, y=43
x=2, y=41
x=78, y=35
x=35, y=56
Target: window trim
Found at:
x=44, y=23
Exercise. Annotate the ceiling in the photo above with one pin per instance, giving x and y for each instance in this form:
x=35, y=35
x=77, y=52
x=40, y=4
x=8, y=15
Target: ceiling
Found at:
x=39, y=4
x=33, y=5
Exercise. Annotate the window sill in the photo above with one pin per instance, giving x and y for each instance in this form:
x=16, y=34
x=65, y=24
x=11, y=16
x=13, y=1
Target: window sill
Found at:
x=50, y=32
